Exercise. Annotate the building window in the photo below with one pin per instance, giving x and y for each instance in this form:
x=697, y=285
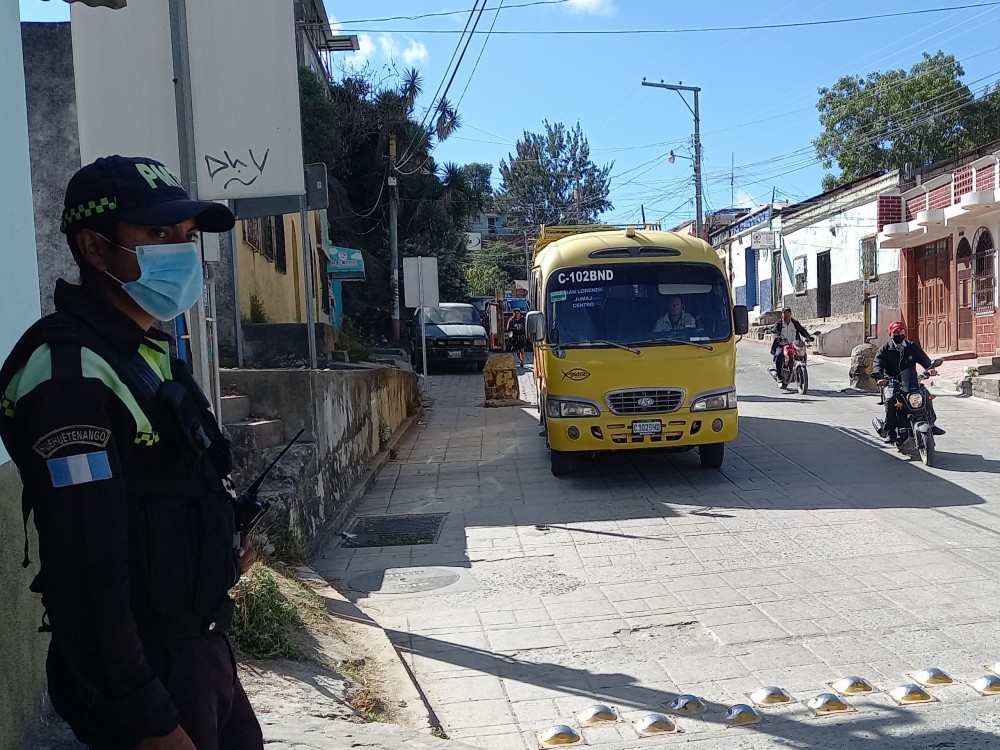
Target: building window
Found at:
x=799, y=269
x=280, y=262
x=869, y=258
x=266, y=235
x=983, y=276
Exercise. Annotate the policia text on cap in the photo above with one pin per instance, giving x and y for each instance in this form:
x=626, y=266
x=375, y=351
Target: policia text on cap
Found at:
x=128, y=475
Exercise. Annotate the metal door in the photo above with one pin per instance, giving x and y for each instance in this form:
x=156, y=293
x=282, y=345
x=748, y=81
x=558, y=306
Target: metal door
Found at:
x=966, y=328
x=824, y=288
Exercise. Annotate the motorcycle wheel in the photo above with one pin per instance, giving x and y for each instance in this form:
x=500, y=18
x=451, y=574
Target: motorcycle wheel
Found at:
x=925, y=447
x=802, y=379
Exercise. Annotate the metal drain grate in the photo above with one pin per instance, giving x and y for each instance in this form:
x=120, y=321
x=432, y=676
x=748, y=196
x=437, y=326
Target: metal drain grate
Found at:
x=396, y=531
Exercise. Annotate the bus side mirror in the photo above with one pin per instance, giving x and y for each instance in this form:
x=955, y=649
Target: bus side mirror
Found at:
x=534, y=325
x=741, y=319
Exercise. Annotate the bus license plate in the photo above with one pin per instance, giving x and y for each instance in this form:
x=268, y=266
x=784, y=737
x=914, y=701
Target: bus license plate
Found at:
x=647, y=427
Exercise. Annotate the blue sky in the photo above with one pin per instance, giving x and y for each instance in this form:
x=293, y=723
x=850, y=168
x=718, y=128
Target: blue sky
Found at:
x=758, y=100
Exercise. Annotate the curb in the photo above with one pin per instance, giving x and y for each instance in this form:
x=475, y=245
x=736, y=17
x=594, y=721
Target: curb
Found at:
x=414, y=711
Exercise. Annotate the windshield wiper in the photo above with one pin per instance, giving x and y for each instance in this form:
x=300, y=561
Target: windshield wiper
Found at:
x=699, y=344
x=608, y=343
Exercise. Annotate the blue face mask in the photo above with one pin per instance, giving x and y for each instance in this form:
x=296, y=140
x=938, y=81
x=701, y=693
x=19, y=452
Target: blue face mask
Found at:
x=170, y=278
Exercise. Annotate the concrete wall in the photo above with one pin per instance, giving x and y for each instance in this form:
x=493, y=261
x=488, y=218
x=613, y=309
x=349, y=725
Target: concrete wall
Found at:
x=286, y=344
x=21, y=647
x=342, y=412
x=54, y=145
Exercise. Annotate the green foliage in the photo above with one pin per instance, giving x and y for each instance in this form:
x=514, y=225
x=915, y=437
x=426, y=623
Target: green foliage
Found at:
x=384, y=435
x=884, y=121
x=493, y=267
x=550, y=179
x=265, y=618
x=355, y=340
x=348, y=125
x=258, y=314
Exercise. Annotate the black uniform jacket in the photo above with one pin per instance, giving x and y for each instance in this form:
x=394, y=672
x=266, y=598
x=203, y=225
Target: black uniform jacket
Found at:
x=132, y=502
x=890, y=362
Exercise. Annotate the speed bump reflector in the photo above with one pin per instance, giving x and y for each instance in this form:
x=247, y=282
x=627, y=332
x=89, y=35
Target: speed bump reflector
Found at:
x=932, y=676
x=907, y=694
x=825, y=704
x=596, y=714
x=654, y=724
x=987, y=685
x=557, y=735
x=687, y=705
x=852, y=685
x=740, y=715
x=770, y=695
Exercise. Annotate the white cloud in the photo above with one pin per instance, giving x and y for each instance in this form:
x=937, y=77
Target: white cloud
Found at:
x=744, y=199
x=387, y=44
x=366, y=46
x=416, y=52
x=593, y=7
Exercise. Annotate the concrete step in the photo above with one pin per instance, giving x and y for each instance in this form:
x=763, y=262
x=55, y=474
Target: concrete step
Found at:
x=235, y=409
x=257, y=433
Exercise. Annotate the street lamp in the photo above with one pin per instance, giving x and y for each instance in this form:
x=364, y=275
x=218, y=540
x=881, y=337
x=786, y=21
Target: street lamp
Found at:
x=697, y=142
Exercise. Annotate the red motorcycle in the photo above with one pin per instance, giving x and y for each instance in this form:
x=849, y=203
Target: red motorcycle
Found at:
x=794, y=369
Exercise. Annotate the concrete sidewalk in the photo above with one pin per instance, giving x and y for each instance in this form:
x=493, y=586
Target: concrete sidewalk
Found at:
x=815, y=553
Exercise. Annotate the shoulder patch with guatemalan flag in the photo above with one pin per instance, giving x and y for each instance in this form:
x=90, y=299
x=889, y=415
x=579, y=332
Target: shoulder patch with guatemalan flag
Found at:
x=79, y=469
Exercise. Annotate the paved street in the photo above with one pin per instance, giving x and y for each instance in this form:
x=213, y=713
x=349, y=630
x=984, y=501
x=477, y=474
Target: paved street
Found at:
x=813, y=554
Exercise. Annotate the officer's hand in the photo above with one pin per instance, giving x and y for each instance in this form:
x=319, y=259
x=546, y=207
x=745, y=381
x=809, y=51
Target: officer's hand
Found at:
x=932, y=372
x=883, y=381
x=247, y=555
x=176, y=740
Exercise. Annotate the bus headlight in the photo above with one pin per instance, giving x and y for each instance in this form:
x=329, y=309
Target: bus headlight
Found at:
x=557, y=409
x=916, y=400
x=715, y=402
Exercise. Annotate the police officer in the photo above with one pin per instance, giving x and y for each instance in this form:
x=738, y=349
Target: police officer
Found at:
x=127, y=473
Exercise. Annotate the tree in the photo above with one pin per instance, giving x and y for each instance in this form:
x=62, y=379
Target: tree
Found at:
x=550, y=179
x=494, y=266
x=887, y=120
x=348, y=125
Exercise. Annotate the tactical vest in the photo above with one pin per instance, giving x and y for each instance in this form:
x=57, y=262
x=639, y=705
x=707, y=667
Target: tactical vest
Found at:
x=182, y=535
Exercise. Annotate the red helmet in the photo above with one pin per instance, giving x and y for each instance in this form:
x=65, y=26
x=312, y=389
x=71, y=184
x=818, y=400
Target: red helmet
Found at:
x=896, y=326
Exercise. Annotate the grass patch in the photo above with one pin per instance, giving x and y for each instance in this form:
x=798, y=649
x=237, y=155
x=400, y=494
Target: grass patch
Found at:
x=440, y=733
x=367, y=702
x=271, y=607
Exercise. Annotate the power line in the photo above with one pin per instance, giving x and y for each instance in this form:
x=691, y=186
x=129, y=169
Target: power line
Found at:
x=699, y=30
x=449, y=12
x=481, y=51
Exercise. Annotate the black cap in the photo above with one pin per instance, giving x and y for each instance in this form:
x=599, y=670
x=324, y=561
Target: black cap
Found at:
x=138, y=190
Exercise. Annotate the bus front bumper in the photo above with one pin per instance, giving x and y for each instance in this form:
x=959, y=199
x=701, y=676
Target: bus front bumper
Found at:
x=676, y=430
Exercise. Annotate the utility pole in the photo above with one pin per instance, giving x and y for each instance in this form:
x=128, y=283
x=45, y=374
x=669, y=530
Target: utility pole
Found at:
x=643, y=209
x=697, y=142
x=307, y=258
x=393, y=240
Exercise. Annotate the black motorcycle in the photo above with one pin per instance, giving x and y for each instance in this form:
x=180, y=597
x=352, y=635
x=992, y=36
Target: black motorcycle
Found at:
x=913, y=422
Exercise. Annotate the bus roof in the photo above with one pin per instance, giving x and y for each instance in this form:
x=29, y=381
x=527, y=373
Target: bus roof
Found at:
x=574, y=249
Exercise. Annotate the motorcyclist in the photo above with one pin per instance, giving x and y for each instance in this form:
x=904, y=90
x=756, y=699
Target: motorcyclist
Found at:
x=895, y=357
x=786, y=330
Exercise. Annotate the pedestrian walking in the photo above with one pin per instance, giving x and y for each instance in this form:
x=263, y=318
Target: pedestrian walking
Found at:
x=128, y=475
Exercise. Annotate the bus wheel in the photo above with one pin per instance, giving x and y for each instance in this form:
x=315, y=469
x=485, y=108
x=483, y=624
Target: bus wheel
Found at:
x=712, y=455
x=561, y=462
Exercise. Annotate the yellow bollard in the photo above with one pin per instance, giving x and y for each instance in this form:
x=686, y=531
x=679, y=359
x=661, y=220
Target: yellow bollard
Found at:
x=500, y=378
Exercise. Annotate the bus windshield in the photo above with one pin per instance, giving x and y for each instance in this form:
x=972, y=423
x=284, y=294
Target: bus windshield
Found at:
x=638, y=303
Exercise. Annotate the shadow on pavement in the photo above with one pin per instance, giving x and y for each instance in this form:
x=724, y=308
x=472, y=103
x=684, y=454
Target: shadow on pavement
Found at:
x=882, y=725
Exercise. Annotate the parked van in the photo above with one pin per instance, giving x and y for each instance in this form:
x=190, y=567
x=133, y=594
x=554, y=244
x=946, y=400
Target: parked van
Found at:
x=634, y=334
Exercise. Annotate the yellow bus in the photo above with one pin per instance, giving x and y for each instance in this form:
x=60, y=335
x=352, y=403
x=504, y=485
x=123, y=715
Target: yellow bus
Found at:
x=634, y=336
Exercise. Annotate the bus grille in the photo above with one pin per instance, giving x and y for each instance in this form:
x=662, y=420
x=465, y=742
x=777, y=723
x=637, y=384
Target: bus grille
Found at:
x=645, y=401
